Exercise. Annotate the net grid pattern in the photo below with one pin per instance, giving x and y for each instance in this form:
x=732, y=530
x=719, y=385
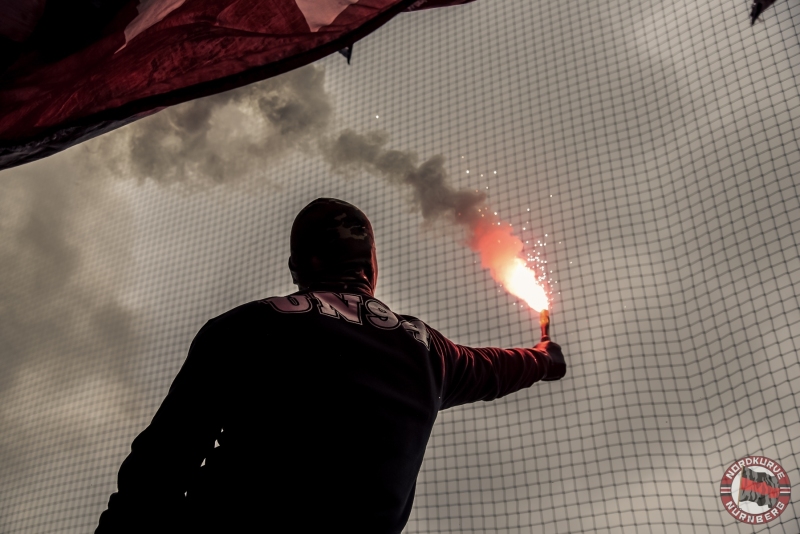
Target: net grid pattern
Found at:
x=655, y=145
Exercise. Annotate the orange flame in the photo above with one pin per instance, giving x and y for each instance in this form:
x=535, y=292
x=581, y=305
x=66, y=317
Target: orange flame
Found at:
x=500, y=252
x=521, y=282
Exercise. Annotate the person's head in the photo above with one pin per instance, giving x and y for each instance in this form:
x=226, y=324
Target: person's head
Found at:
x=333, y=247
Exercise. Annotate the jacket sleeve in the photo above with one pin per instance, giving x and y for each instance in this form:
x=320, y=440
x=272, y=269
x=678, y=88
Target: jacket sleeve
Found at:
x=154, y=477
x=471, y=374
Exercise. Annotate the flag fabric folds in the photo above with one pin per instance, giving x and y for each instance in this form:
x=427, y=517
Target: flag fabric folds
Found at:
x=73, y=69
x=758, y=7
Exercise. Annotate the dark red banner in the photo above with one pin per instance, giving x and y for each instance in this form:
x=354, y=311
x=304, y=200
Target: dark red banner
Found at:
x=72, y=70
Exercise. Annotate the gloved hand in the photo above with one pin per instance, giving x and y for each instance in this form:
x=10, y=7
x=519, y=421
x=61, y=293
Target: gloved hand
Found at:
x=556, y=366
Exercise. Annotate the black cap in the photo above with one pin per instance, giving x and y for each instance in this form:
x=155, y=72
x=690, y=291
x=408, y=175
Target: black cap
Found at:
x=333, y=247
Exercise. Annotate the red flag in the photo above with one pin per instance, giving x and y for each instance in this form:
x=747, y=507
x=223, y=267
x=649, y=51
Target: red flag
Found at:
x=74, y=70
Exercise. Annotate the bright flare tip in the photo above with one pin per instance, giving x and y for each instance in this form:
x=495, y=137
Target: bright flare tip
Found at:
x=521, y=282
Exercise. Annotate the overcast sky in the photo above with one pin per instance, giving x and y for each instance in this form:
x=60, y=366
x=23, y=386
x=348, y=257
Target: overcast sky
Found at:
x=650, y=146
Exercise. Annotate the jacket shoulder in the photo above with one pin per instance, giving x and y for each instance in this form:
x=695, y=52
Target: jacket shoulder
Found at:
x=240, y=315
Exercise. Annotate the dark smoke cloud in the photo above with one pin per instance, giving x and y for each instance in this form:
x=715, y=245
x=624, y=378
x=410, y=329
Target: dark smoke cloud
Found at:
x=225, y=137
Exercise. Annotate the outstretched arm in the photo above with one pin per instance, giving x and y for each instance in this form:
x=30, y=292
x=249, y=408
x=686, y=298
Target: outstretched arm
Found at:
x=153, y=479
x=472, y=374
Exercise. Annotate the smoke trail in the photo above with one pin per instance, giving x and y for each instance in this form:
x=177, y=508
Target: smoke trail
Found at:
x=500, y=250
x=225, y=137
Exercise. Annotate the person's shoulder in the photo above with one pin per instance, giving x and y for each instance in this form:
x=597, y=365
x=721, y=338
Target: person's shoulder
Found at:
x=412, y=319
x=415, y=322
x=243, y=314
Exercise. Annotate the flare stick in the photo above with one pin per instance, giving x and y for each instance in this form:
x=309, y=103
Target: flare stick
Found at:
x=544, y=322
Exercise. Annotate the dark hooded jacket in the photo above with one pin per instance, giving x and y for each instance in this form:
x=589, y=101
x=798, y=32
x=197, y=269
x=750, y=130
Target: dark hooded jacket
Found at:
x=309, y=413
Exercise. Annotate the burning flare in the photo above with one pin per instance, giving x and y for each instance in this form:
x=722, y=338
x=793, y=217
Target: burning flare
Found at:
x=521, y=282
x=500, y=252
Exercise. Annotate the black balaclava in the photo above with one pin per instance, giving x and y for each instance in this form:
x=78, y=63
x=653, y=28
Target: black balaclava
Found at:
x=333, y=248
